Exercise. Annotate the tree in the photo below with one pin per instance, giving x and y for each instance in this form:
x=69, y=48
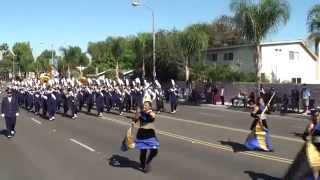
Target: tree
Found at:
x=117, y=51
x=257, y=20
x=43, y=61
x=83, y=60
x=192, y=42
x=140, y=46
x=71, y=56
x=23, y=56
x=313, y=23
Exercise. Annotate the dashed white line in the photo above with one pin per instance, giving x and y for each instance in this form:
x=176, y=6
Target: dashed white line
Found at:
x=82, y=145
x=36, y=121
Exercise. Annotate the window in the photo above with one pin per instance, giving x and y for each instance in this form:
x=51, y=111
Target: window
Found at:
x=298, y=80
x=228, y=56
x=214, y=57
x=293, y=55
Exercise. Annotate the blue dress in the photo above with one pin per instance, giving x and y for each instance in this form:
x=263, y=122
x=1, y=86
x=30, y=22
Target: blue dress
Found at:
x=146, y=138
x=259, y=138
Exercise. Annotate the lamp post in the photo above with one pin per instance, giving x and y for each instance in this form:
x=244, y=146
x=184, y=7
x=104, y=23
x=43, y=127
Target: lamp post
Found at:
x=136, y=3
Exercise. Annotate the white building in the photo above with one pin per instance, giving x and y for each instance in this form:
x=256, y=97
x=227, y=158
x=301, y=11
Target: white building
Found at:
x=281, y=62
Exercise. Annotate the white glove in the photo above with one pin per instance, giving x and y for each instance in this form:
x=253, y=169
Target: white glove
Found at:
x=17, y=114
x=2, y=115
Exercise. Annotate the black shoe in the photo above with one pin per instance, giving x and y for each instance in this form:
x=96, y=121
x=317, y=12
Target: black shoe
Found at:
x=142, y=166
x=147, y=168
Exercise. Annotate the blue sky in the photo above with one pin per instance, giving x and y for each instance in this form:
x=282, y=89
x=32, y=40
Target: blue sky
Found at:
x=76, y=22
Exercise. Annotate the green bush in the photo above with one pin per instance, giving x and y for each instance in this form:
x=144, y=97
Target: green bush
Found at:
x=223, y=73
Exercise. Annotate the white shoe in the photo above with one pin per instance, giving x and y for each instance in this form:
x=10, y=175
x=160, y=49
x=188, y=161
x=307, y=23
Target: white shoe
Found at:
x=75, y=116
x=121, y=114
x=12, y=132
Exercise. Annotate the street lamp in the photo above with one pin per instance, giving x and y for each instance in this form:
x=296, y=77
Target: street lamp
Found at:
x=136, y=3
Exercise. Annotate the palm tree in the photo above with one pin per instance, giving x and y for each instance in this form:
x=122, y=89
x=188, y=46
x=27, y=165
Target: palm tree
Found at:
x=313, y=23
x=192, y=42
x=71, y=56
x=257, y=19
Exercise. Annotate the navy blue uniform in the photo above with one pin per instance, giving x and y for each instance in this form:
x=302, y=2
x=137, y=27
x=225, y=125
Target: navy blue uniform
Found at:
x=89, y=101
x=173, y=99
x=51, y=105
x=29, y=101
x=99, y=102
x=37, y=102
x=10, y=109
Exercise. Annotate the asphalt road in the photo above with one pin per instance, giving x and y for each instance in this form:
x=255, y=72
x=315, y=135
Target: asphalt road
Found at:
x=196, y=143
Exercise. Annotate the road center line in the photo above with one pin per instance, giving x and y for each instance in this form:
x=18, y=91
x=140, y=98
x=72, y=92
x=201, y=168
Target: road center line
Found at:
x=228, y=128
x=83, y=145
x=211, y=145
x=36, y=121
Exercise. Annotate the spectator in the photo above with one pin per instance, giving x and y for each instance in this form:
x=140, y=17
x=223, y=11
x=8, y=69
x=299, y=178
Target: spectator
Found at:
x=285, y=102
x=305, y=94
x=240, y=98
x=222, y=95
x=214, y=95
x=295, y=99
x=262, y=92
x=252, y=98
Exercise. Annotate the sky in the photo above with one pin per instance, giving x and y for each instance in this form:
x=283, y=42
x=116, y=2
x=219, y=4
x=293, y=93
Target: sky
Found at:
x=46, y=23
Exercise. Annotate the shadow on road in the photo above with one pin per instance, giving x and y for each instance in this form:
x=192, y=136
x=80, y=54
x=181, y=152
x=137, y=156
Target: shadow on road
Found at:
x=300, y=135
x=236, y=147
x=3, y=132
x=260, y=176
x=123, y=162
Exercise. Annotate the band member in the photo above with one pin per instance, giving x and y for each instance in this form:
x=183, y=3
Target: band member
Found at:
x=37, y=101
x=65, y=104
x=307, y=162
x=146, y=139
x=139, y=94
x=173, y=93
x=29, y=100
x=58, y=94
x=72, y=102
x=127, y=97
x=159, y=97
x=80, y=98
x=44, y=106
x=108, y=98
x=89, y=99
x=51, y=104
x=10, y=111
x=120, y=99
x=99, y=102
x=259, y=138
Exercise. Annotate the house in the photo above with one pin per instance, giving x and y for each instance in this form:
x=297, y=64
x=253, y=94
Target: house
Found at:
x=281, y=62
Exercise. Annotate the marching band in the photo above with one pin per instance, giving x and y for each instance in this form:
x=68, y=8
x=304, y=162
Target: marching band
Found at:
x=46, y=96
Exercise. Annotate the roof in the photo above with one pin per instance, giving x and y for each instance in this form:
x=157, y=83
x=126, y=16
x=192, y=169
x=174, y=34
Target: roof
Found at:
x=275, y=43
x=300, y=42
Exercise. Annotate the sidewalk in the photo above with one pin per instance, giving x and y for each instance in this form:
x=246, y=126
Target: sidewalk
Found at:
x=228, y=106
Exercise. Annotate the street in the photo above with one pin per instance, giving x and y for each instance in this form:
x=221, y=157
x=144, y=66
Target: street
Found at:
x=196, y=143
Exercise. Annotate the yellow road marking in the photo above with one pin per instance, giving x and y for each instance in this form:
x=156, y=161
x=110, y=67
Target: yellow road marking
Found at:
x=228, y=128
